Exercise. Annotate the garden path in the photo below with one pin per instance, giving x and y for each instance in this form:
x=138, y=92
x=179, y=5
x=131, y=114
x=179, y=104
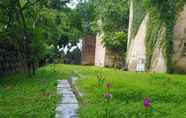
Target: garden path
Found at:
x=68, y=105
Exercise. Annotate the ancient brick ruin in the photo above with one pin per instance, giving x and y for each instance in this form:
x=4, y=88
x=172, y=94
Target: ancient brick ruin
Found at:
x=88, y=50
x=94, y=52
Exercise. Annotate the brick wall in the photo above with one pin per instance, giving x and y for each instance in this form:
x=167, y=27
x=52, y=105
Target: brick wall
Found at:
x=88, y=50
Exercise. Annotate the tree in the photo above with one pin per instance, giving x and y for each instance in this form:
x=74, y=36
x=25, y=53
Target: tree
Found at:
x=33, y=26
x=114, y=17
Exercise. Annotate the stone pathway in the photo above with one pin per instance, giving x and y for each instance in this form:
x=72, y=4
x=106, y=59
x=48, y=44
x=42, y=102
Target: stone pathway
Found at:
x=68, y=104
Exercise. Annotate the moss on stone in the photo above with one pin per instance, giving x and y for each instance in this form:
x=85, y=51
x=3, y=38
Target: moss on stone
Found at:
x=138, y=16
x=162, y=14
x=153, y=27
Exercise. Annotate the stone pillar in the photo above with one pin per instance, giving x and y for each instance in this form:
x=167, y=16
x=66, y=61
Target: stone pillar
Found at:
x=158, y=61
x=103, y=56
x=136, y=47
x=130, y=21
x=99, y=52
x=179, y=42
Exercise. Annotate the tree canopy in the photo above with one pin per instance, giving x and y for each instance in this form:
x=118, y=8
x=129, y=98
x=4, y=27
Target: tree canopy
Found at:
x=38, y=28
x=114, y=21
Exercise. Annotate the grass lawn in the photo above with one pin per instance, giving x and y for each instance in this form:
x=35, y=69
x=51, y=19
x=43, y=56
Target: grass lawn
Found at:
x=167, y=94
x=22, y=97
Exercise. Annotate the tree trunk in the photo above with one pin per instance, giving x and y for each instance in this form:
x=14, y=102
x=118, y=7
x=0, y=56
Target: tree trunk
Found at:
x=26, y=41
x=33, y=69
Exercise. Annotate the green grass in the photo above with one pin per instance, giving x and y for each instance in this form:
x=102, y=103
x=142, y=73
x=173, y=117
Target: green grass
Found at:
x=22, y=97
x=167, y=94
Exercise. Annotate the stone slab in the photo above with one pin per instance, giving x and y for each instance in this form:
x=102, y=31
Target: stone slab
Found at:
x=69, y=100
x=63, y=85
x=64, y=91
x=66, y=111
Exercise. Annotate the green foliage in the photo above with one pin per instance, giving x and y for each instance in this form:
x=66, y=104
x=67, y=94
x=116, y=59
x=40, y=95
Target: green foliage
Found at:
x=39, y=49
x=87, y=13
x=116, y=41
x=114, y=18
x=153, y=29
x=114, y=15
x=167, y=15
x=32, y=26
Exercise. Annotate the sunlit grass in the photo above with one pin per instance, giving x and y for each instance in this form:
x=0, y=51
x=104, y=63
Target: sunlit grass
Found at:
x=23, y=97
x=167, y=94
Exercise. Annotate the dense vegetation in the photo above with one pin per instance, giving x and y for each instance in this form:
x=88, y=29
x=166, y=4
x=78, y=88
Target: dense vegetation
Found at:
x=114, y=16
x=110, y=18
x=37, y=29
x=33, y=32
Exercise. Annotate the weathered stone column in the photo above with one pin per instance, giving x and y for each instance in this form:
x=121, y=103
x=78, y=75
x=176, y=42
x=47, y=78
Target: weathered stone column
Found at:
x=136, y=46
x=179, y=42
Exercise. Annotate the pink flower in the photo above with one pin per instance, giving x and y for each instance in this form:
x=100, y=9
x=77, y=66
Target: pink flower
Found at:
x=146, y=103
x=108, y=96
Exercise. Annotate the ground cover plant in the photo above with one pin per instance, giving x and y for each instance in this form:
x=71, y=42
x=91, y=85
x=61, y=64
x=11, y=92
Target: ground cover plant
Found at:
x=106, y=93
x=24, y=97
x=129, y=93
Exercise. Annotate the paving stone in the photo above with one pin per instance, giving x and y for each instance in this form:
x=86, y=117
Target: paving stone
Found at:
x=67, y=111
x=63, y=85
x=68, y=105
x=61, y=107
x=69, y=95
x=69, y=100
x=64, y=91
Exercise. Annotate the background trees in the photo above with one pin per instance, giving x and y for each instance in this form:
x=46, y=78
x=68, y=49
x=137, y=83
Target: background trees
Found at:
x=114, y=17
x=37, y=28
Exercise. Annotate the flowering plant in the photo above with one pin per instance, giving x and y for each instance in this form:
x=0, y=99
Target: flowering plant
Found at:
x=146, y=103
x=101, y=79
x=108, y=97
x=148, y=108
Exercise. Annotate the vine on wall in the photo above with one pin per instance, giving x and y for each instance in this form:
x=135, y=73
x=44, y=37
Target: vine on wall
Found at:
x=162, y=14
x=153, y=28
x=138, y=16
